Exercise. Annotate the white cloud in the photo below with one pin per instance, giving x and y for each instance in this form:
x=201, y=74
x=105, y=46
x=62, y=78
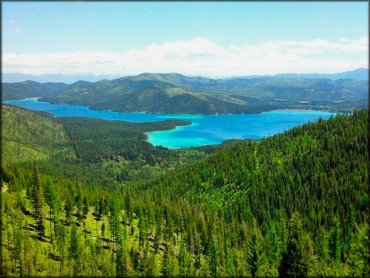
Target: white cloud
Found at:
x=201, y=56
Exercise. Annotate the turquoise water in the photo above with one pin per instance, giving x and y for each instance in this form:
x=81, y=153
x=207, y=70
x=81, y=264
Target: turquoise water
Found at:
x=204, y=130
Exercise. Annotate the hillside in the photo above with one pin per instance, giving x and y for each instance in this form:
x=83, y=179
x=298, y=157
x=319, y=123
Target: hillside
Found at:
x=29, y=89
x=296, y=202
x=175, y=93
x=91, y=150
x=30, y=136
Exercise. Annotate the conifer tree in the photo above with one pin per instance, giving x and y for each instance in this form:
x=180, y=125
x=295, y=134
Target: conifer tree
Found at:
x=293, y=263
x=68, y=210
x=37, y=202
x=52, y=201
x=75, y=249
x=165, y=267
x=121, y=270
x=253, y=256
x=213, y=263
x=182, y=261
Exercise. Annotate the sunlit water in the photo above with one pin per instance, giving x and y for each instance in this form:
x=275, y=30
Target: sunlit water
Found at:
x=204, y=129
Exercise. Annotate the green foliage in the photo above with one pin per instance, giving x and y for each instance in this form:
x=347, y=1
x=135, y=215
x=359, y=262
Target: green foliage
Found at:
x=30, y=136
x=224, y=215
x=37, y=202
x=293, y=263
x=94, y=151
x=29, y=89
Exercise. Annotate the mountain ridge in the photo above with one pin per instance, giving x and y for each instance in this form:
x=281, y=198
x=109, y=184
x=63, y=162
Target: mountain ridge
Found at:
x=177, y=93
x=357, y=74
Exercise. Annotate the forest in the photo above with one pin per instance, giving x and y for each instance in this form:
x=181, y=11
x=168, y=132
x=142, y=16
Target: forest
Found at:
x=84, y=197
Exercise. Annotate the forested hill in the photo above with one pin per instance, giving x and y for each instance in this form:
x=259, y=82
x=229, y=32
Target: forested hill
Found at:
x=295, y=204
x=91, y=150
x=176, y=93
x=319, y=169
x=29, y=89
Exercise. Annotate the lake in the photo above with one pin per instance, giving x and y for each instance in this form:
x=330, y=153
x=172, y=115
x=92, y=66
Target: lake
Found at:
x=204, y=129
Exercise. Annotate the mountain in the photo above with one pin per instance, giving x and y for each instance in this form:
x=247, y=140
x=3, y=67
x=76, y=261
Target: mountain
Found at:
x=361, y=74
x=64, y=78
x=176, y=93
x=357, y=74
x=28, y=89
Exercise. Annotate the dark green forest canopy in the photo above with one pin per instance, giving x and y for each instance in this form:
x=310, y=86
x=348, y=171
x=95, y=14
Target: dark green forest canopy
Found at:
x=294, y=203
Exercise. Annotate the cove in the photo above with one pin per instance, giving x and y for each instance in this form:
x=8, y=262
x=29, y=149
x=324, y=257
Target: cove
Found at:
x=204, y=130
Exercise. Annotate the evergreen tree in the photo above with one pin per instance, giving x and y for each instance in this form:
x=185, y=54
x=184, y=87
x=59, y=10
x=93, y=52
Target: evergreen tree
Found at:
x=213, y=263
x=37, y=202
x=68, y=210
x=75, y=250
x=182, y=261
x=293, y=263
x=252, y=255
x=334, y=241
x=165, y=267
x=121, y=270
x=52, y=201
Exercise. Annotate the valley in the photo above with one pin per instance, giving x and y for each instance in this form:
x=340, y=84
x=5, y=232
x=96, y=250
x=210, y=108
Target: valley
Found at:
x=192, y=130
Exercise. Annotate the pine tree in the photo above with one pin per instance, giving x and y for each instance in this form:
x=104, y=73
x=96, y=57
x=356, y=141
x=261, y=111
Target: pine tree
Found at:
x=121, y=270
x=52, y=201
x=75, y=249
x=68, y=210
x=37, y=202
x=252, y=255
x=293, y=263
x=115, y=224
x=182, y=261
x=165, y=267
x=213, y=263
x=334, y=241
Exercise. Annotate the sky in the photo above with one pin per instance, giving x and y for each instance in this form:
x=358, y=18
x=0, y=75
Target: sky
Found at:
x=218, y=39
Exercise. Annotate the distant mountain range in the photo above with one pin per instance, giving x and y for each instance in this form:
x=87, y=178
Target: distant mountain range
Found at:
x=176, y=93
x=65, y=78
x=357, y=74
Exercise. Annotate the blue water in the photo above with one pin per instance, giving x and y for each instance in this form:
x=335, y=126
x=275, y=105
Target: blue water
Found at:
x=204, y=130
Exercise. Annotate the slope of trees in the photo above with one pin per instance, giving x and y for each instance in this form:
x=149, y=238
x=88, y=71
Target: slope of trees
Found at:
x=91, y=150
x=295, y=204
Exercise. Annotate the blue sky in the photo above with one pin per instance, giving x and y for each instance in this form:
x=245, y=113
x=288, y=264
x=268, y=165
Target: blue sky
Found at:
x=131, y=30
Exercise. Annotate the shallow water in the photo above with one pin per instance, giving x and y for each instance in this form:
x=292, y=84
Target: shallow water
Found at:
x=204, y=130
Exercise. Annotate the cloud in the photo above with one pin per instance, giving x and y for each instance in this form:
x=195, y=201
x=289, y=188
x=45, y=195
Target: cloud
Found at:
x=13, y=25
x=201, y=56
